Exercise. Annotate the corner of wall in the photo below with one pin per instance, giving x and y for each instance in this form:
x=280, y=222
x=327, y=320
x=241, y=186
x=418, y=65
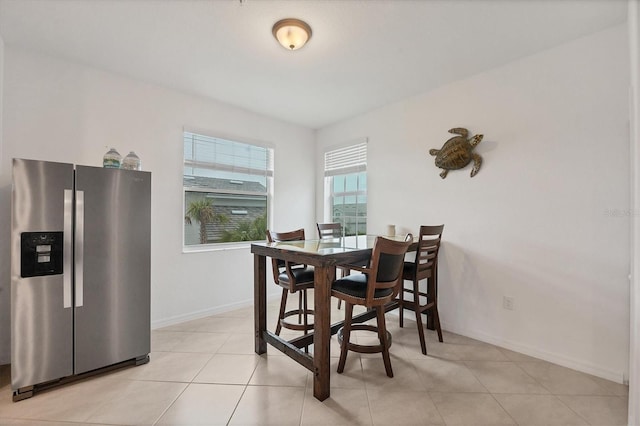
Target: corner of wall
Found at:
x=634, y=136
x=1, y=100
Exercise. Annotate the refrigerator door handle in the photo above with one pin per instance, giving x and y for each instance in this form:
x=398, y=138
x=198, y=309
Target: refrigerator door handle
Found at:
x=79, y=248
x=67, y=276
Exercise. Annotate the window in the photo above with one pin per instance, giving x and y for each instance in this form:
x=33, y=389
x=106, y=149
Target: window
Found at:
x=226, y=188
x=345, y=175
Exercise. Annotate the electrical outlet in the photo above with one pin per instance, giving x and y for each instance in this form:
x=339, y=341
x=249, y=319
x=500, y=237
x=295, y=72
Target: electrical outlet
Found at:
x=508, y=303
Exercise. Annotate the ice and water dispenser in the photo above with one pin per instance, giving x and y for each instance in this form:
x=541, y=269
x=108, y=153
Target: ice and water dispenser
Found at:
x=41, y=253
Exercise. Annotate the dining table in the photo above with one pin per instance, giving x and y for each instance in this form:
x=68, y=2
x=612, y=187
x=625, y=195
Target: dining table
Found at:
x=311, y=350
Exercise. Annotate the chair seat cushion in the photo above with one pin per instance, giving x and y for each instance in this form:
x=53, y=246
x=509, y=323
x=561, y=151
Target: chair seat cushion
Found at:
x=356, y=286
x=301, y=275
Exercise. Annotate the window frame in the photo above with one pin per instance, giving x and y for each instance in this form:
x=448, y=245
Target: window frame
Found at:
x=270, y=172
x=349, y=169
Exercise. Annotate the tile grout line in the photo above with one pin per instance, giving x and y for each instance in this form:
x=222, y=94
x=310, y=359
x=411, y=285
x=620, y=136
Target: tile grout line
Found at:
x=366, y=386
x=304, y=399
x=489, y=392
x=436, y=407
x=571, y=409
x=246, y=386
x=189, y=383
x=504, y=408
x=533, y=378
x=170, y=405
x=237, y=403
x=555, y=396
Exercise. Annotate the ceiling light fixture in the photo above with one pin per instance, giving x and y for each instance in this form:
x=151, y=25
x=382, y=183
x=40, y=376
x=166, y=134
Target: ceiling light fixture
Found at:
x=291, y=33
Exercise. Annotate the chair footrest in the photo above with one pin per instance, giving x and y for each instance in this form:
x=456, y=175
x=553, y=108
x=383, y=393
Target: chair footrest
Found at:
x=365, y=349
x=293, y=325
x=412, y=306
x=410, y=290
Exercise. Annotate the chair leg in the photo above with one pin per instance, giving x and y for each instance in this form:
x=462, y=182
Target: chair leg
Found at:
x=346, y=335
x=401, y=304
x=416, y=305
x=436, y=319
x=343, y=273
x=382, y=335
x=300, y=307
x=304, y=316
x=283, y=308
x=304, y=310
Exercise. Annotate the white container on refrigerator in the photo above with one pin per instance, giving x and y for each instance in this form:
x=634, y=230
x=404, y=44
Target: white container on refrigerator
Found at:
x=80, y=271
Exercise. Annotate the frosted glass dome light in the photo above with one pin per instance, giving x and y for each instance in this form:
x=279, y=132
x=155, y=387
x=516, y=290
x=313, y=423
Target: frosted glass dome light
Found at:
x=291, y=33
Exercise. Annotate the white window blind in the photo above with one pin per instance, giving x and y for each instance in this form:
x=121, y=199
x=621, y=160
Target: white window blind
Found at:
x=220, y=158
x=350, y=159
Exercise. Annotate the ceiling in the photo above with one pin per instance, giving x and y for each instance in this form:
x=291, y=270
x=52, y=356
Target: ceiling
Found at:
x=363, y=53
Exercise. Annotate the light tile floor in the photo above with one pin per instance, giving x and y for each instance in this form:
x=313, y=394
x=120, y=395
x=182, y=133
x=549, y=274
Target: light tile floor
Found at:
x=205, y=372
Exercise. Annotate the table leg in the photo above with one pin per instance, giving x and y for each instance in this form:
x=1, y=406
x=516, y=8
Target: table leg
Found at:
x=260, y=302
x=322, y=331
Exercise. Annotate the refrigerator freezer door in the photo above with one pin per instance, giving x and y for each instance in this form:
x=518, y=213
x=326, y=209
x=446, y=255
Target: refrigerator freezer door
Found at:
x=112, y=322
x=41, y=313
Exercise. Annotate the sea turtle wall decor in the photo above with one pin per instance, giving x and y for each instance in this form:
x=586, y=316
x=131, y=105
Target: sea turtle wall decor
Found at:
x=457, y=152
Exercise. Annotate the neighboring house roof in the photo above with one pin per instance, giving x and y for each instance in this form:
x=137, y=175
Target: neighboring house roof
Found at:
x=226, y=184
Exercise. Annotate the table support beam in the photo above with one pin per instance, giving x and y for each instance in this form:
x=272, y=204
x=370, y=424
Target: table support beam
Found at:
x=290, y=350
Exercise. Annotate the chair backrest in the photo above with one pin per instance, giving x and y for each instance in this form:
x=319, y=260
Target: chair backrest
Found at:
x=329, y=230
x=428, y=247
x=272, y=237
x=387, y=261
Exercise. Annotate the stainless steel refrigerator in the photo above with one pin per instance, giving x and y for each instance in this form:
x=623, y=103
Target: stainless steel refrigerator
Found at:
x=80, y=271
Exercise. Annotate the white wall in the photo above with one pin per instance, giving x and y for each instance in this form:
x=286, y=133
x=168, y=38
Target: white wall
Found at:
x=59, y=111
x=538, y=223
x=634, y=119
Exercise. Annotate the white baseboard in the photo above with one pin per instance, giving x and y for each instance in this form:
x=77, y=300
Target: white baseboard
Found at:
x=190, y=316
x=559, y=359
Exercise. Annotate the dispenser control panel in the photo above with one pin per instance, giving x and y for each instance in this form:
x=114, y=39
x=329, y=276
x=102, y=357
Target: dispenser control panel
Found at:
x=41, y=253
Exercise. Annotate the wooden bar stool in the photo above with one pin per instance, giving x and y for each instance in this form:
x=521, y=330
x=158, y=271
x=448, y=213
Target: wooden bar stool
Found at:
x=329, y=230
x=333, y=230
x=292, y=277
x=377, y=285
x=425, y=267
